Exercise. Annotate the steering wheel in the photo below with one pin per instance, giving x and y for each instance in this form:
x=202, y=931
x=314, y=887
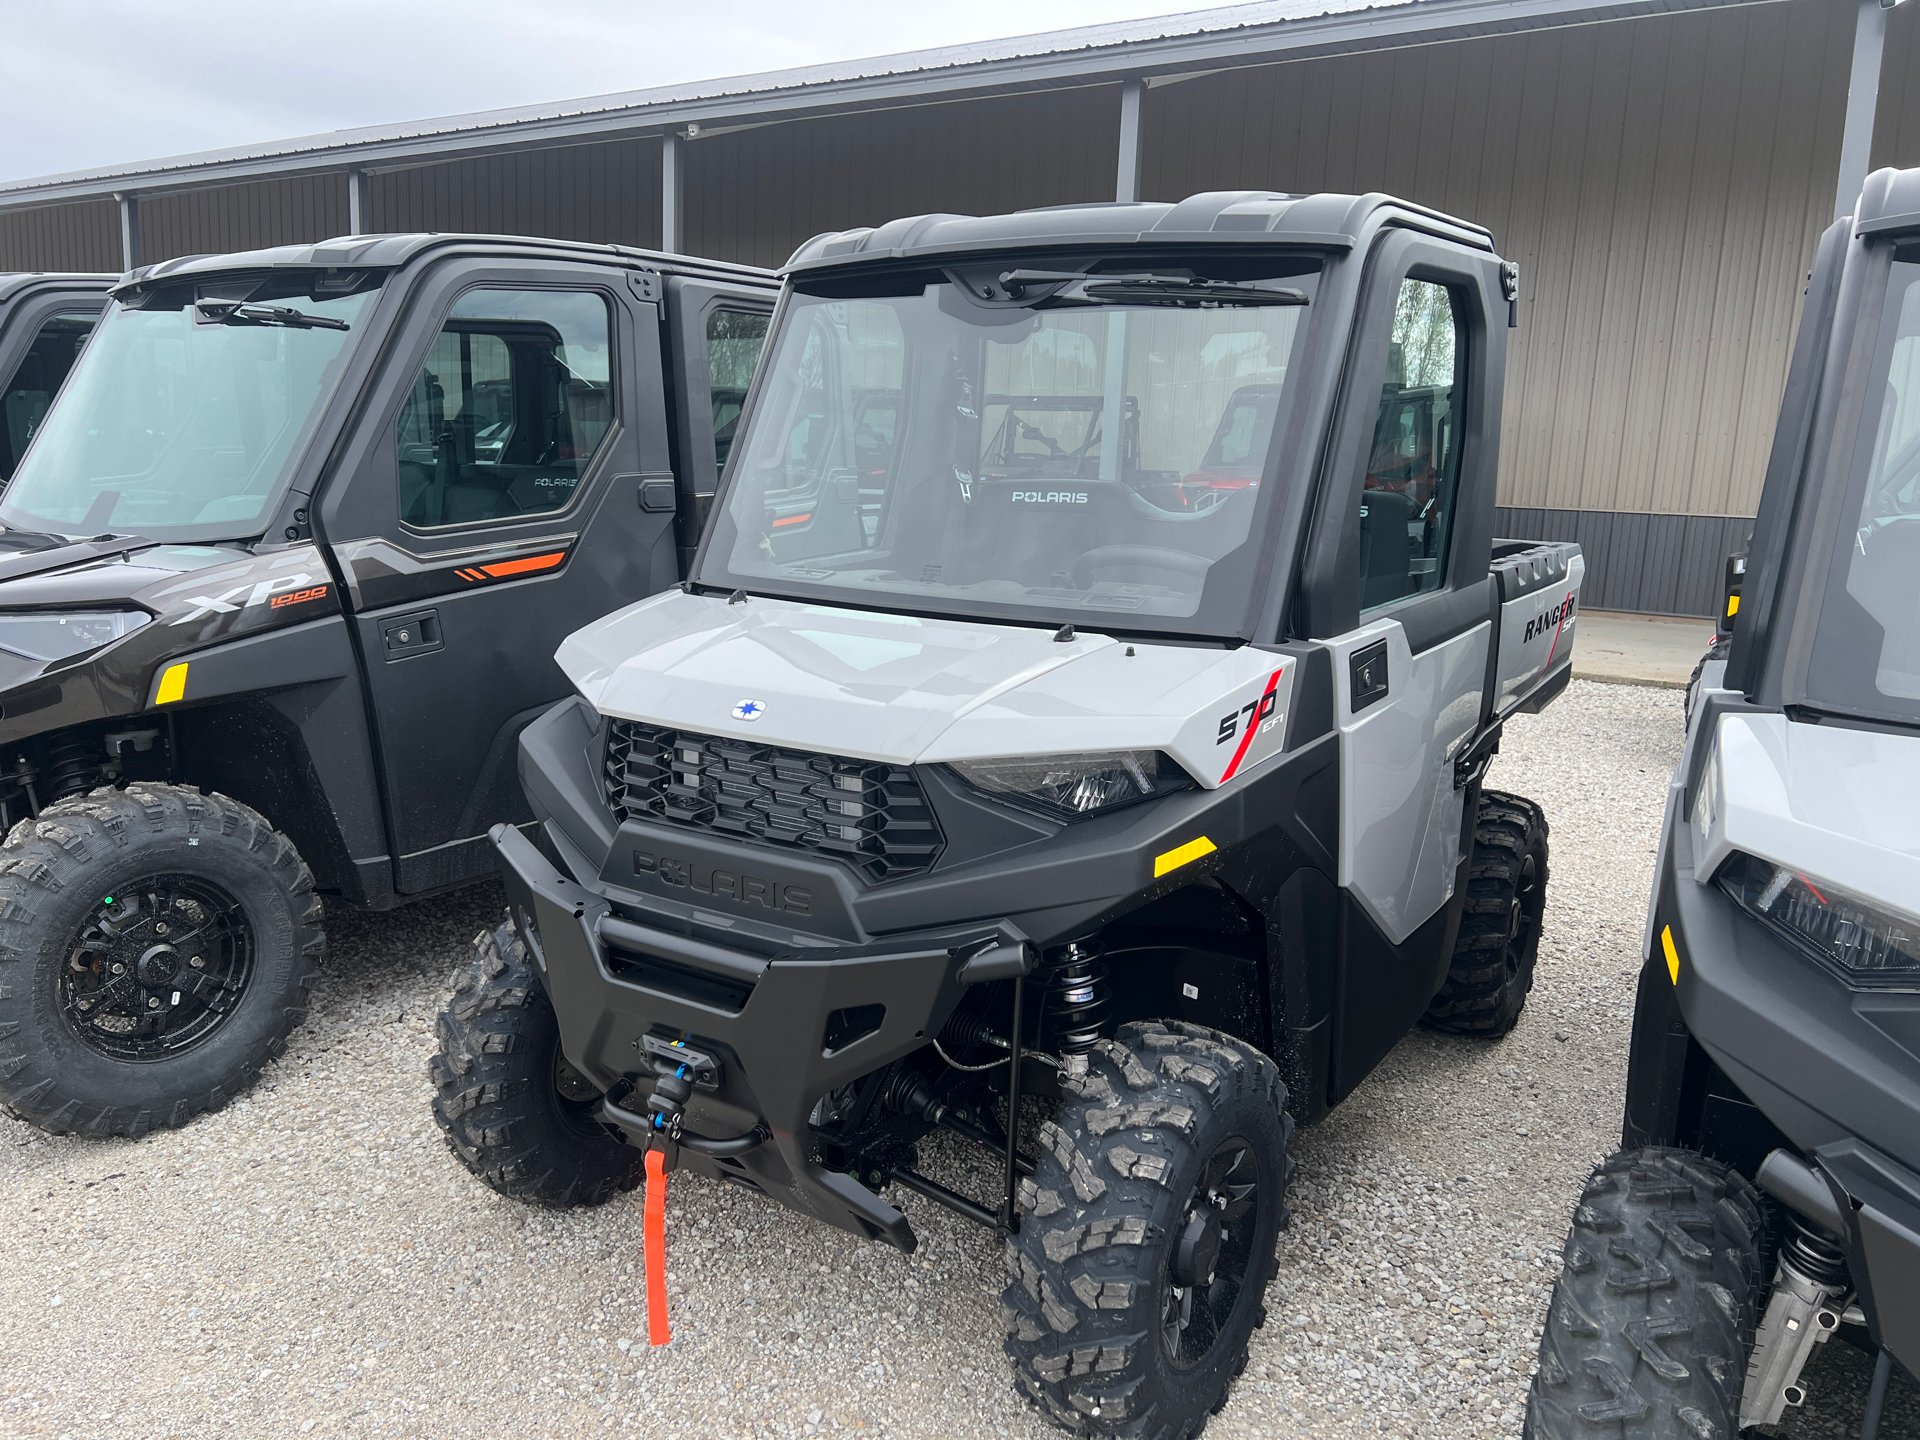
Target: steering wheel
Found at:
x=1113, y=555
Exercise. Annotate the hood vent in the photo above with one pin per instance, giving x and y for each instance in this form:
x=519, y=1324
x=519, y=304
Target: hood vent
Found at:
x=872, y=815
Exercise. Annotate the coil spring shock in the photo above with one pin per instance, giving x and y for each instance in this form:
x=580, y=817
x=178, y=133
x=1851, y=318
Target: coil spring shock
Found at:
x=71, y=767
x=1813, y=1255
x=1074, y=998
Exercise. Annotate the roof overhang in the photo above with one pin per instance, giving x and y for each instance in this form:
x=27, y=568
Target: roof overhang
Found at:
x=1159, y=49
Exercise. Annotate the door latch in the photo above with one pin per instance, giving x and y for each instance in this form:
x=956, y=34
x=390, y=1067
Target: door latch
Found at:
x=411, y=635
x=1367, y=675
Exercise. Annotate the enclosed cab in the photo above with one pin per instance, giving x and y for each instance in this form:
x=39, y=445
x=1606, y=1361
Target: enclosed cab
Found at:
x=1770, y=1175
x=1081, y=692
x=282, y=573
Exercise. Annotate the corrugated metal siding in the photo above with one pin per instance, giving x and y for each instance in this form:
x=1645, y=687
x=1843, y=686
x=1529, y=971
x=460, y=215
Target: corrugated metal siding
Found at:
x=254, y=216
x=1896, y=129
x=754, y=195
x=1661, y=183
x=62, y=237
x=607, y=193
x=1660, y=564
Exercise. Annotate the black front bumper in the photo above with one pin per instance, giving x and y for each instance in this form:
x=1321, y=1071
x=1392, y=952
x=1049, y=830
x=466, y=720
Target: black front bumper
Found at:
x=786, y=1031
x=1834, y=1069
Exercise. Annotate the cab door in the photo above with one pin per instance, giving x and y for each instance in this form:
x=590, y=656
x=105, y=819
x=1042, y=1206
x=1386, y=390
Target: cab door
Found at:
x=41, y=336
x=1401, y=559
x=510, y=483
x=719, y=331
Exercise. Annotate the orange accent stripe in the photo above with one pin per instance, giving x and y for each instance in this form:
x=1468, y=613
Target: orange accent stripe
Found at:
x=524, y=565
x=466, y=574
x=793, y=520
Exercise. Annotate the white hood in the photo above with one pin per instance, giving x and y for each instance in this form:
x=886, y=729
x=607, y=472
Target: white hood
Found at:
x=1837, y=804
x=902, y=690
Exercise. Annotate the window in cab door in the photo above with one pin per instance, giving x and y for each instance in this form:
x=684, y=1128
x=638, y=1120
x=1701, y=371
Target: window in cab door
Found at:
x=734, y=340
x=1412, y=481
x=37, y=379
x=506, y=415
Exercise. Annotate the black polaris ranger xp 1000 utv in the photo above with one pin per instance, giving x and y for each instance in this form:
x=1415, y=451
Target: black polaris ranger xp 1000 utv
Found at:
x=1768, y=1195
x=281, y=577
x=1080, y=701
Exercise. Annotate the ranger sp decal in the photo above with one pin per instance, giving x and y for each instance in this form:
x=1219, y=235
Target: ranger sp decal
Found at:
x=1557, y=617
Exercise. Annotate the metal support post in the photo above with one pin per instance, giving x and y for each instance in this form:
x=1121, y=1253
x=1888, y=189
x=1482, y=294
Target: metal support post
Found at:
x=1863, y=98
x=1127, y=180
x=673, y=193
x=129, y=229
x=357, y=208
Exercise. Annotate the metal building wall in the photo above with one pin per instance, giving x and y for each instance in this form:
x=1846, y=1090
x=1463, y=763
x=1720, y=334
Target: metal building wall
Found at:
x=252, y=216
x=607, y=193
x=753, y=195
x=1896, y=128
x=80, y=237
x=1661, y=183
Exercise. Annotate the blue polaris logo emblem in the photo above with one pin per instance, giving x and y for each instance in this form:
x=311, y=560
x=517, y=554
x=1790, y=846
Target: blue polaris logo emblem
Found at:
x=749, y=710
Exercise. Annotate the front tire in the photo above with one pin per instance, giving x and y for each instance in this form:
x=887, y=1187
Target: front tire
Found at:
x=511, y=1108
x=156, y=949
x=1653, y=1314
x=1147, y=1232
x=1499, y=941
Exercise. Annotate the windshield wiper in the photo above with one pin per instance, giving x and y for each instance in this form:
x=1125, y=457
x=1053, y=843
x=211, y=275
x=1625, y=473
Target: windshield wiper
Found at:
x=233, y=312
x=1175, y=290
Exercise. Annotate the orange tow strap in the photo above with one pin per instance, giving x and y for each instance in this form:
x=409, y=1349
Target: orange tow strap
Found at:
x=653, y=1232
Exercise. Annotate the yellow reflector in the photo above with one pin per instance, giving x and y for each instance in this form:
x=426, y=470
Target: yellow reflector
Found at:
x=1673, y=955
x=1186, y=854
x=173, y=685
x=1733, y=605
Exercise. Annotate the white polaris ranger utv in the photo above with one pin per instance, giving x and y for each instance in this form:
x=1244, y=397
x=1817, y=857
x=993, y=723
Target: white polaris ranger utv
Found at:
x=1080, y=697
x=1776, y=1037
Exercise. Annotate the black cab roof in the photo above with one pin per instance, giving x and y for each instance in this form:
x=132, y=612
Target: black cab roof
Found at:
x=388, y=252
x=16, y=282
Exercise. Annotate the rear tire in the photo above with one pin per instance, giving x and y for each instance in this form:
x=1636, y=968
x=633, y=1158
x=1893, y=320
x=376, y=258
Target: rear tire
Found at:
x=512, y=1110
x=1653, y=1314
x=1147, y=1233
x=1499, y=940
x=157, y=946
x=1714, y=652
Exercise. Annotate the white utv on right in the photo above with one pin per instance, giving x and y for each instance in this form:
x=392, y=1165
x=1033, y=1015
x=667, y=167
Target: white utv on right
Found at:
x=1768, y=1195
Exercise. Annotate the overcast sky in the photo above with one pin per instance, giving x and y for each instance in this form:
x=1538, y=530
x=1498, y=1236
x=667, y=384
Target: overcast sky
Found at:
x=98, y=82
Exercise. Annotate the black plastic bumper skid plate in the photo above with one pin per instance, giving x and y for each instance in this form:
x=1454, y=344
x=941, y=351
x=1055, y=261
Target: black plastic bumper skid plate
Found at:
x=613, y=982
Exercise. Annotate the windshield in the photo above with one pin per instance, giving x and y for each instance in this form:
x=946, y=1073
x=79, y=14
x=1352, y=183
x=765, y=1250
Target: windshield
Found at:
x=1053, y=448
x=1866, y=652
x=184, y=422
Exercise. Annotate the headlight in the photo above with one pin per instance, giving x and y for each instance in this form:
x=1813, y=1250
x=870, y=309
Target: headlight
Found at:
x=46, y=636
x=1075, y=785
x=1865, y=942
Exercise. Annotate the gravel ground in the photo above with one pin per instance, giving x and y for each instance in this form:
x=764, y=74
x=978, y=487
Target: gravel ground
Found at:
x=311, y=1261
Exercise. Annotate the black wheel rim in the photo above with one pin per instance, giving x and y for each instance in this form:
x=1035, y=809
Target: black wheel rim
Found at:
x=576, y=1103
x=157, y=968
x=1223, y=1214
x=1526, y=910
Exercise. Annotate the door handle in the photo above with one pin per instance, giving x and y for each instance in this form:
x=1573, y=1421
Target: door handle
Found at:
x=1367, y=675
x=410, y=635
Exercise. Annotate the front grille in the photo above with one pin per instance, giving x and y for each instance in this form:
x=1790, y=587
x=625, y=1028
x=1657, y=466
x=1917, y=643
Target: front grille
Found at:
x=872, y=815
